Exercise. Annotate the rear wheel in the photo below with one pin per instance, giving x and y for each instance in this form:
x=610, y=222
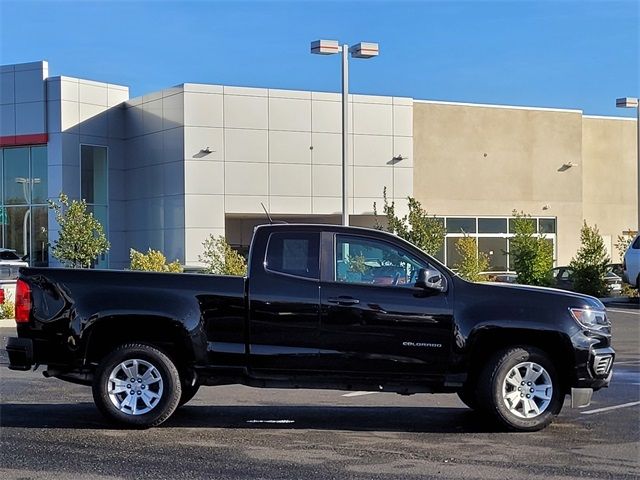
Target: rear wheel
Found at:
x=519, y=386
x=137, y=385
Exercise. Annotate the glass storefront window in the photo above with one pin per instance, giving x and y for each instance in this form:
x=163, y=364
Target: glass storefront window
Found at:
x=23, y=193
x=461, y=225
x=93, y=161
x=39, y=238
x=15, y=171
x=39, y=191
x=16, y=232
x=496, y=249
x=547, y=225
x=93, y=187
x=453, y=257
x=492, y=225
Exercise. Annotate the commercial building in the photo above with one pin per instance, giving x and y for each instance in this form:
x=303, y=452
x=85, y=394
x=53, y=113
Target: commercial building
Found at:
x=169, y=168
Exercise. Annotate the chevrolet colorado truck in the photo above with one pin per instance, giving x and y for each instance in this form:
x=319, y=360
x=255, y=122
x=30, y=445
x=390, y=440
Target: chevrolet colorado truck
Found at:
x=322, y=306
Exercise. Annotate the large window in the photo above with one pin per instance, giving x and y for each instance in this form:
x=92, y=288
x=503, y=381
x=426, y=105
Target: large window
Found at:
x=23, y=202
x=94, y=186
x=492, y=235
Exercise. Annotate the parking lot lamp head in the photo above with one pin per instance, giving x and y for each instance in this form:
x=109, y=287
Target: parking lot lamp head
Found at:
x=360, y=50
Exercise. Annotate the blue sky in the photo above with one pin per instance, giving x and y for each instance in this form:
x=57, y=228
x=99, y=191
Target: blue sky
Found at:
x=559, y=54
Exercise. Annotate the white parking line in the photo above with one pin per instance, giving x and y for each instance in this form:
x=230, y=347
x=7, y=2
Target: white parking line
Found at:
x=615, y=407
x=270, y=421
x=357, y=394
x=622, y=311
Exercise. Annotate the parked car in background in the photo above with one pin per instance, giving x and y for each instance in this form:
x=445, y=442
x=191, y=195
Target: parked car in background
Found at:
x=505, y=278
x=563, y=279
x=631, y=263
x=10, y=263
x=618, y=269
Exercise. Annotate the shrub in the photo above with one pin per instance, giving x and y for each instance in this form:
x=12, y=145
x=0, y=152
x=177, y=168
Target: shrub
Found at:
x=152, y=261
x=472, y=262
x=7, y=309
x=532, y=255
x=81, y=240
x=590, y=264
x=418, y=227
x=221, y=259
x=623, y=241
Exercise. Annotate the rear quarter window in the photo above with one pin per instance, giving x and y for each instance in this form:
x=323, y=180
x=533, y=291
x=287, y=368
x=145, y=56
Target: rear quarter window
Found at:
x=294, y=253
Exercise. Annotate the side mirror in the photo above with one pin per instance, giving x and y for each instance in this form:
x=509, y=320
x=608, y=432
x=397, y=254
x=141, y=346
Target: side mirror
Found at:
x=429, y=279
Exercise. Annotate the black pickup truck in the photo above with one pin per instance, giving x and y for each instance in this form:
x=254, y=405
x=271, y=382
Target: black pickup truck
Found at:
x=321, y=307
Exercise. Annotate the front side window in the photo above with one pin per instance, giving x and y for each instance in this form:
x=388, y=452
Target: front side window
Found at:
x=295, y=254
x=365, y=261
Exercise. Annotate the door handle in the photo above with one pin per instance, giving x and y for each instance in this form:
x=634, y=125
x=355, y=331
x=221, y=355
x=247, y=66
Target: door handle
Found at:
x=343, y=300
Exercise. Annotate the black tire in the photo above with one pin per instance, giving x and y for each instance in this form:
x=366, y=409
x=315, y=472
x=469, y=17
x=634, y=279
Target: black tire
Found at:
x=154, y=371
x=492, y=384
x=188, y=392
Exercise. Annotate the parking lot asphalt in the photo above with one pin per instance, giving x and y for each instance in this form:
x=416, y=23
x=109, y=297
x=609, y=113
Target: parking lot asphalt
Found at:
x=50, y=429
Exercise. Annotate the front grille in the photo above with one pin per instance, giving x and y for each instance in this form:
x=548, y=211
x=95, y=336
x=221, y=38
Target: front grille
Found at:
x=602, y=364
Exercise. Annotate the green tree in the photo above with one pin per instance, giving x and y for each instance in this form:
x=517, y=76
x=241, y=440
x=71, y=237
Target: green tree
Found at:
x=81, y=237
x=472, y=262
x=590, y=264
x=221, y=259
x=152, y=261
x=418, y=227
x=532, y=255
x=623, y=241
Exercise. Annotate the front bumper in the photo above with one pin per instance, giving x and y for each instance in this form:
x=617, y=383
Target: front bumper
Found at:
x=594, y=368
x=20, y=351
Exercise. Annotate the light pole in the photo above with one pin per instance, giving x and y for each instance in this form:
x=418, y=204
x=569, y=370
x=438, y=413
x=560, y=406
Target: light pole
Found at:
x=26, y=183
x=630, y=102
x=361, y=50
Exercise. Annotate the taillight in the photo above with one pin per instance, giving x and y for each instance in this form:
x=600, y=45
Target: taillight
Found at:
x=2, y=299
x=23, y=301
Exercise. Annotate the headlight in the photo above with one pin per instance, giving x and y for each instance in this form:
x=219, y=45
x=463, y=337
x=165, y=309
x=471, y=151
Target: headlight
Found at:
x=591, y=319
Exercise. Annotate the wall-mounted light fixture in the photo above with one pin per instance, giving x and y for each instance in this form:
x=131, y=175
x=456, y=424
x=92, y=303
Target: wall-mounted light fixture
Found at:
x=546, y=206
x=206, y=150
x=567, y=165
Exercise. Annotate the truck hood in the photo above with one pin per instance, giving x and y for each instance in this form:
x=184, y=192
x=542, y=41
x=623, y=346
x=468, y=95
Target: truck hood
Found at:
x=572, y=298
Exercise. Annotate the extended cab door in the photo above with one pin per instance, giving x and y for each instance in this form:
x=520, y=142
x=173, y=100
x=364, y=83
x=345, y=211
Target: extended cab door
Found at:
x=284, y=299
x=374, y=320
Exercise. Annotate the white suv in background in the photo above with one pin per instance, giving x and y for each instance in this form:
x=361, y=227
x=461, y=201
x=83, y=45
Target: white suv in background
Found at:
x=631, y=263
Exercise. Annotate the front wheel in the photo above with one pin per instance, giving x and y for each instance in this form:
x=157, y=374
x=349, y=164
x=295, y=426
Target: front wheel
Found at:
x=519, y=386
x=137, y=385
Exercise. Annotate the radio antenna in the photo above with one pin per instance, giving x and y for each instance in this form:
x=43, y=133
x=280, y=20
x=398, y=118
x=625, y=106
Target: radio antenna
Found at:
x=267, y=213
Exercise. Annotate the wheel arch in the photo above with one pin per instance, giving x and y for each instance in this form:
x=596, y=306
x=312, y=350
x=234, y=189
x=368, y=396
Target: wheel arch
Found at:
x=166, y=334
x=555, y=344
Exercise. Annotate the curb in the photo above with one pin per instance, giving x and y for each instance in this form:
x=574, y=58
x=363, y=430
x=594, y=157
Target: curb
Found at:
x=7, y=323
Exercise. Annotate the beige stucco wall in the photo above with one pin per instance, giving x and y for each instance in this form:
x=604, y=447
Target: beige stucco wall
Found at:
x=609, y=184
x=483, y=160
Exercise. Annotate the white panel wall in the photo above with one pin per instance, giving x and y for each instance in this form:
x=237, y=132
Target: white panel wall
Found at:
x=23, y=99
x=240, y=147
x=87, y=112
